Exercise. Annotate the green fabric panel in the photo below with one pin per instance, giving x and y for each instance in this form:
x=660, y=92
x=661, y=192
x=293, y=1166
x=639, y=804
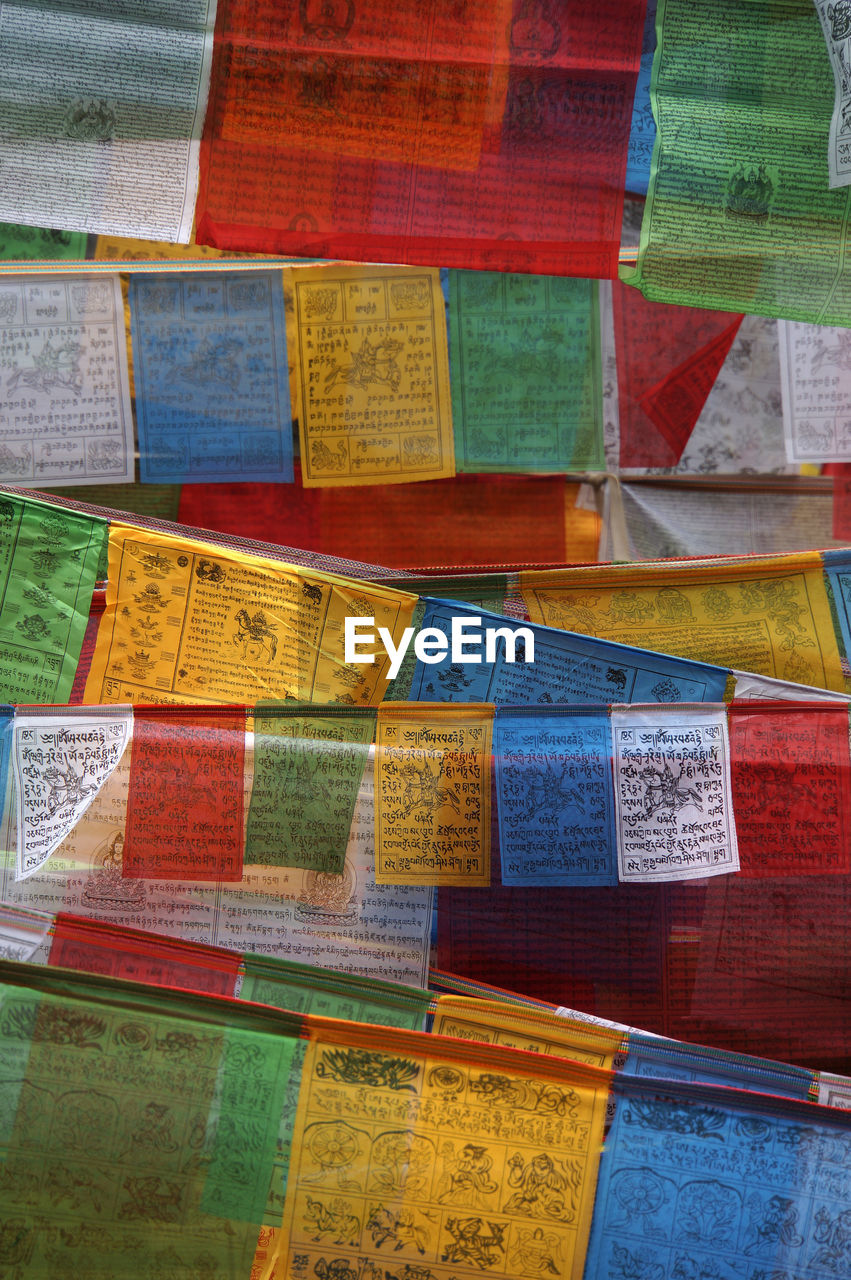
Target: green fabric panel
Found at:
x=739, y=214
x=251, y=1123
x=48, y=568
x=33, y=244
x=283, y=1148
x=304, y=989
x=307, y=772
x=526, y=384
x=140, y=1133
x=155, y=501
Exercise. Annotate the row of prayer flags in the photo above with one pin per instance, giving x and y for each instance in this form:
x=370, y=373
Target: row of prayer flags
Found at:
x=105, y=862
x=503, y=142
x=378, y=397
x=584, y=796
x=368, y=376
x=188, y=621
x=446, y=1008
x=747, y=962
x=168, y=1127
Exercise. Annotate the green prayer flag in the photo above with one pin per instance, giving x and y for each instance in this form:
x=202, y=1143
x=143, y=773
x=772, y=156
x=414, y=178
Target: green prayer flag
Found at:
x=157, y=501
x=32, y=244
x=308, y=766
x=739, y=215
x=48, y=566
x=525, y=372
x=303, y=988
x=139, y=1127
x=244, y=1162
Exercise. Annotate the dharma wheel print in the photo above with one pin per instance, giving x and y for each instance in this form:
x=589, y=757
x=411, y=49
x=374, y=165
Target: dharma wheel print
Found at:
x=333, y=1146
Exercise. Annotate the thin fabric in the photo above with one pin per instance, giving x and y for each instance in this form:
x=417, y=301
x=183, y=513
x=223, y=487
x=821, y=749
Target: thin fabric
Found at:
x=545, y=664
x=65, y=410
x=159, y=846
x=440, y=1152
x=487, y=1015
x=61, y=763
x=751, y=965
x=483, y=135
x=182, y=624
x=667, y=360
x=525, y=372
x=48, y=565
x=139, y=1125
x=468, y=520
x=740, y=215
x=769, y=614
x=135, y=1127
x=370, y=375
x=642, y=133
x=581, y=792
x=307, y=773
x=690, y=1185
x=210, y=357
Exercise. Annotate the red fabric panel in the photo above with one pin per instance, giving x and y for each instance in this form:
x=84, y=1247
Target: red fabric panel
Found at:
x=790, y=771
x=469, y=520
x=841, y=472
x=674, y=403
x=772, y=973
x=81, y=674
x=184, y=811
x=140, y=957
x=469, y=133
x=596, y=950
x=758, y=966
x=668, y=358
x=285, y=514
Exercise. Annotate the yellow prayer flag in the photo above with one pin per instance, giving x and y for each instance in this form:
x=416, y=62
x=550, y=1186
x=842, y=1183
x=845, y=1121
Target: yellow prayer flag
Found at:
x=187, y=621
x=767, y=614
x=432, y=793
x=370, y=374
x=438, y=1158
x=516, y=1026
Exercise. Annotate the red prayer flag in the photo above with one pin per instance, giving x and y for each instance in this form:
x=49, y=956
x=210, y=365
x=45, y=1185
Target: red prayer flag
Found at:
x=284, y=514
x=184, y=810
x=841, y=472
x=758, y=966
x=772, y=969
x=95, y=947
x=488, y=134
x=469, y=520
x=790, y=770
x=687, y=347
